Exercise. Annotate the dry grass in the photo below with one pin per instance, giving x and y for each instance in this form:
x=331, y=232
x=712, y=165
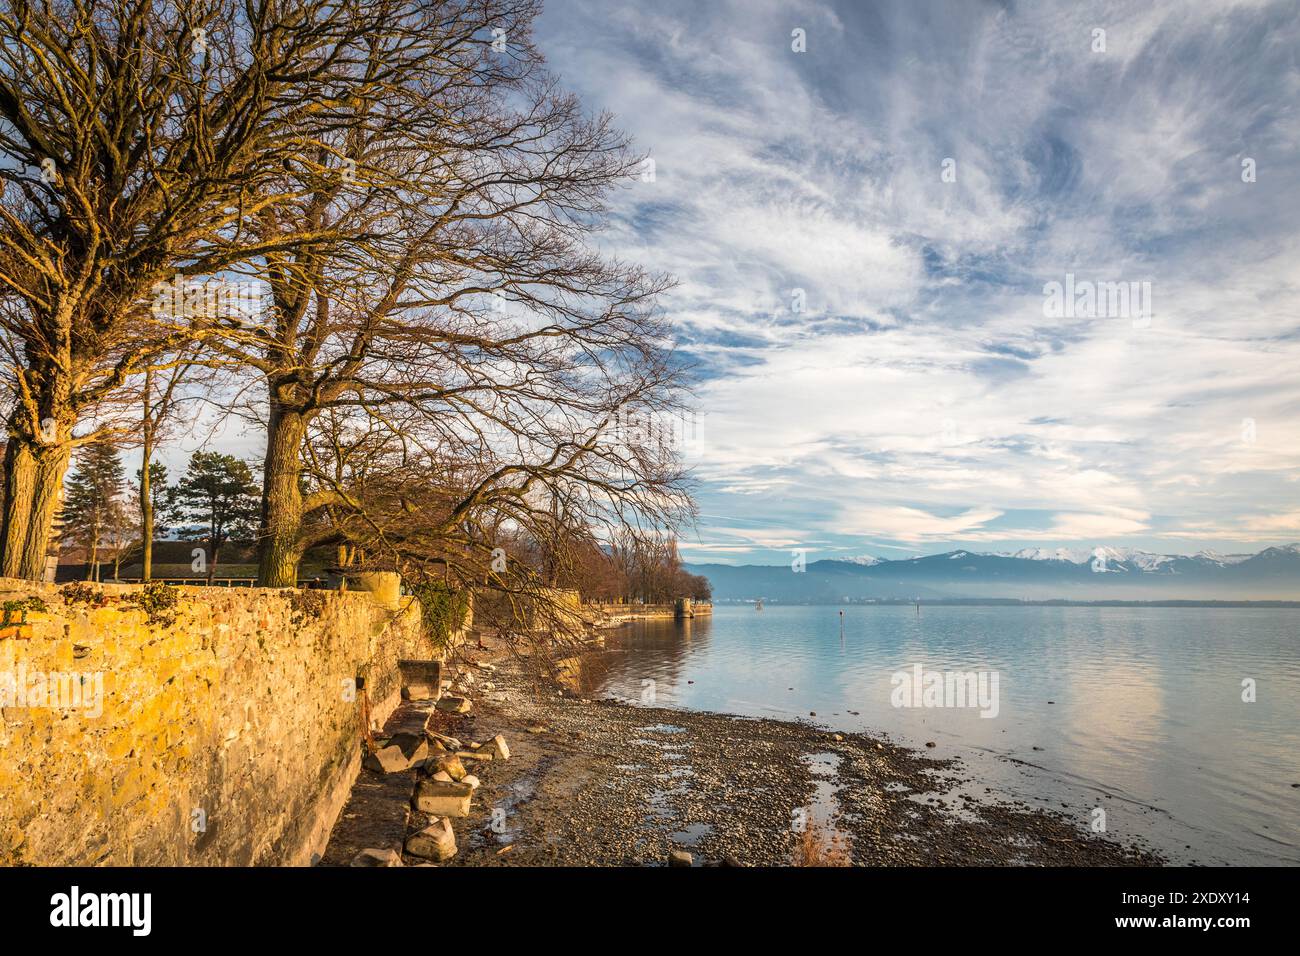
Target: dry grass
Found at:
x=821, y=845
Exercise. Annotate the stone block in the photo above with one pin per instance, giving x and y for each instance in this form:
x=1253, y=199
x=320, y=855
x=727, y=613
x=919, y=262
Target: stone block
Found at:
x=421, y=680
x=437, y=841
x=449, y=764
x=441, y=799
x=389, y=759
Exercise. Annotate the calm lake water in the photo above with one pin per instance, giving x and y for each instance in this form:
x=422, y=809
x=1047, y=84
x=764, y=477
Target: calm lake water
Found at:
x=1138, y=711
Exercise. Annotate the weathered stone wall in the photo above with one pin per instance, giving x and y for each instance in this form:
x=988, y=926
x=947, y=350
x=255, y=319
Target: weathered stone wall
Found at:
x=226, y=736
x=637, y=611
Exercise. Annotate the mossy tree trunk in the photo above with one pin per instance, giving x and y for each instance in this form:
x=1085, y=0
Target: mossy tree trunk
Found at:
x=34, y=472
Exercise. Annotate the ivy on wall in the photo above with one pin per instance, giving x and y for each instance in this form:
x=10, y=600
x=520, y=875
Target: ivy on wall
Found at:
x=444, y=609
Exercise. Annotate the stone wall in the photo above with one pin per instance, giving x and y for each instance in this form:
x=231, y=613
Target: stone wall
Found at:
x=228, y=735
x=628, y=612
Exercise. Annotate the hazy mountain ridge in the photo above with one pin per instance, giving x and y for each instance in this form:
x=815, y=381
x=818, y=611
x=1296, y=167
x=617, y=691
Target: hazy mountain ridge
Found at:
x=1033, y=574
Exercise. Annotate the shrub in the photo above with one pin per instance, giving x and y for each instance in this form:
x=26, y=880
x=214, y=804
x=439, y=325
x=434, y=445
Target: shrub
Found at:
x=444, y=609
x=81, y=593
x=16, y=610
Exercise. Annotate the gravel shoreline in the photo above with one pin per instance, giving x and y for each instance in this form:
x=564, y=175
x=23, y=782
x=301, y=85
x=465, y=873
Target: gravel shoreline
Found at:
x=607, y=783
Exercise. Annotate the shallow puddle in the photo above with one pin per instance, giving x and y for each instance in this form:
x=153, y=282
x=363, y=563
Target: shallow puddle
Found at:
x=690, y=835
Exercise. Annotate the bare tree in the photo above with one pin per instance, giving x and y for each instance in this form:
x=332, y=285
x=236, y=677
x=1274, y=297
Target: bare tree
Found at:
x=458, y=305
x=144, y=137
x=168, y=386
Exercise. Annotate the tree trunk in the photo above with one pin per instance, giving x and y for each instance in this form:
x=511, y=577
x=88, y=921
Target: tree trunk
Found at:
x=20, y=485
x=33, y=482
x=278, y=548
x=146, y=486
x=214, y=548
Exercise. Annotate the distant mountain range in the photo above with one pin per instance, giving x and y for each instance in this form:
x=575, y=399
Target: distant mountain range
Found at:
x=1097, y=574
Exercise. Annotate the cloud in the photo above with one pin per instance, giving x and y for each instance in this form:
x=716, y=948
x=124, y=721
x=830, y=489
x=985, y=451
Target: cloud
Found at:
x=912, y=524
x=922, y=395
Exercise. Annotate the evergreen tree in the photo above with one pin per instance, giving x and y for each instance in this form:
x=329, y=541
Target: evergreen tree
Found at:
x=218, y=493
x=94, y=507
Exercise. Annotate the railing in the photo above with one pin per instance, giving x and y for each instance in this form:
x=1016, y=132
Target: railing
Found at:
x=214, y=583
x=193, y=582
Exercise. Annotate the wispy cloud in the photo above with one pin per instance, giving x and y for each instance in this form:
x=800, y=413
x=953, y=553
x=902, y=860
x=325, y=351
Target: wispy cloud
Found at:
x=921, y=396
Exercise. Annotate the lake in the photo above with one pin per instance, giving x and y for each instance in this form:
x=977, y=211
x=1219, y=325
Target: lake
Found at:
x=1137, y=711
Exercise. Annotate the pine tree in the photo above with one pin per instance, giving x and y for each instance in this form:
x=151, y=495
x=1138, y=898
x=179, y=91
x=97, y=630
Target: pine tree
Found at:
x=218, y=492
x=94, y=507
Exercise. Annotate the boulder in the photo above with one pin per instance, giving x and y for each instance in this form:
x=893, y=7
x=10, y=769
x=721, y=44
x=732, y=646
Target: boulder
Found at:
x=437, y=841
x=680, y=858
x=373, y=857
x=441, y=799
x=472, y=780
x=454, y=705
x=446, y=763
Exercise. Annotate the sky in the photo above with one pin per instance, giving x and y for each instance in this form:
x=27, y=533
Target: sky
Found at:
x=866, y=206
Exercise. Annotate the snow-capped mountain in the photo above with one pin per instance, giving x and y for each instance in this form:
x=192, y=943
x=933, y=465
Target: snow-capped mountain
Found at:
x=1226, y=559
x=1096, y=573
x=1145, y=560
x=1073, y=555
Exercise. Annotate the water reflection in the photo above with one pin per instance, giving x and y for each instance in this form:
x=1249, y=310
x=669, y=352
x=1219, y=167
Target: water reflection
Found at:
x=1135, y=709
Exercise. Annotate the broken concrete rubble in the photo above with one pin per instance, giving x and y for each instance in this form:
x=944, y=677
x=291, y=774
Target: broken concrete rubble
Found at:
x=454, y=705
x=437, y=841
x=449, y=764
x=400, y=752
x=448, y=743
x=441, y=799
